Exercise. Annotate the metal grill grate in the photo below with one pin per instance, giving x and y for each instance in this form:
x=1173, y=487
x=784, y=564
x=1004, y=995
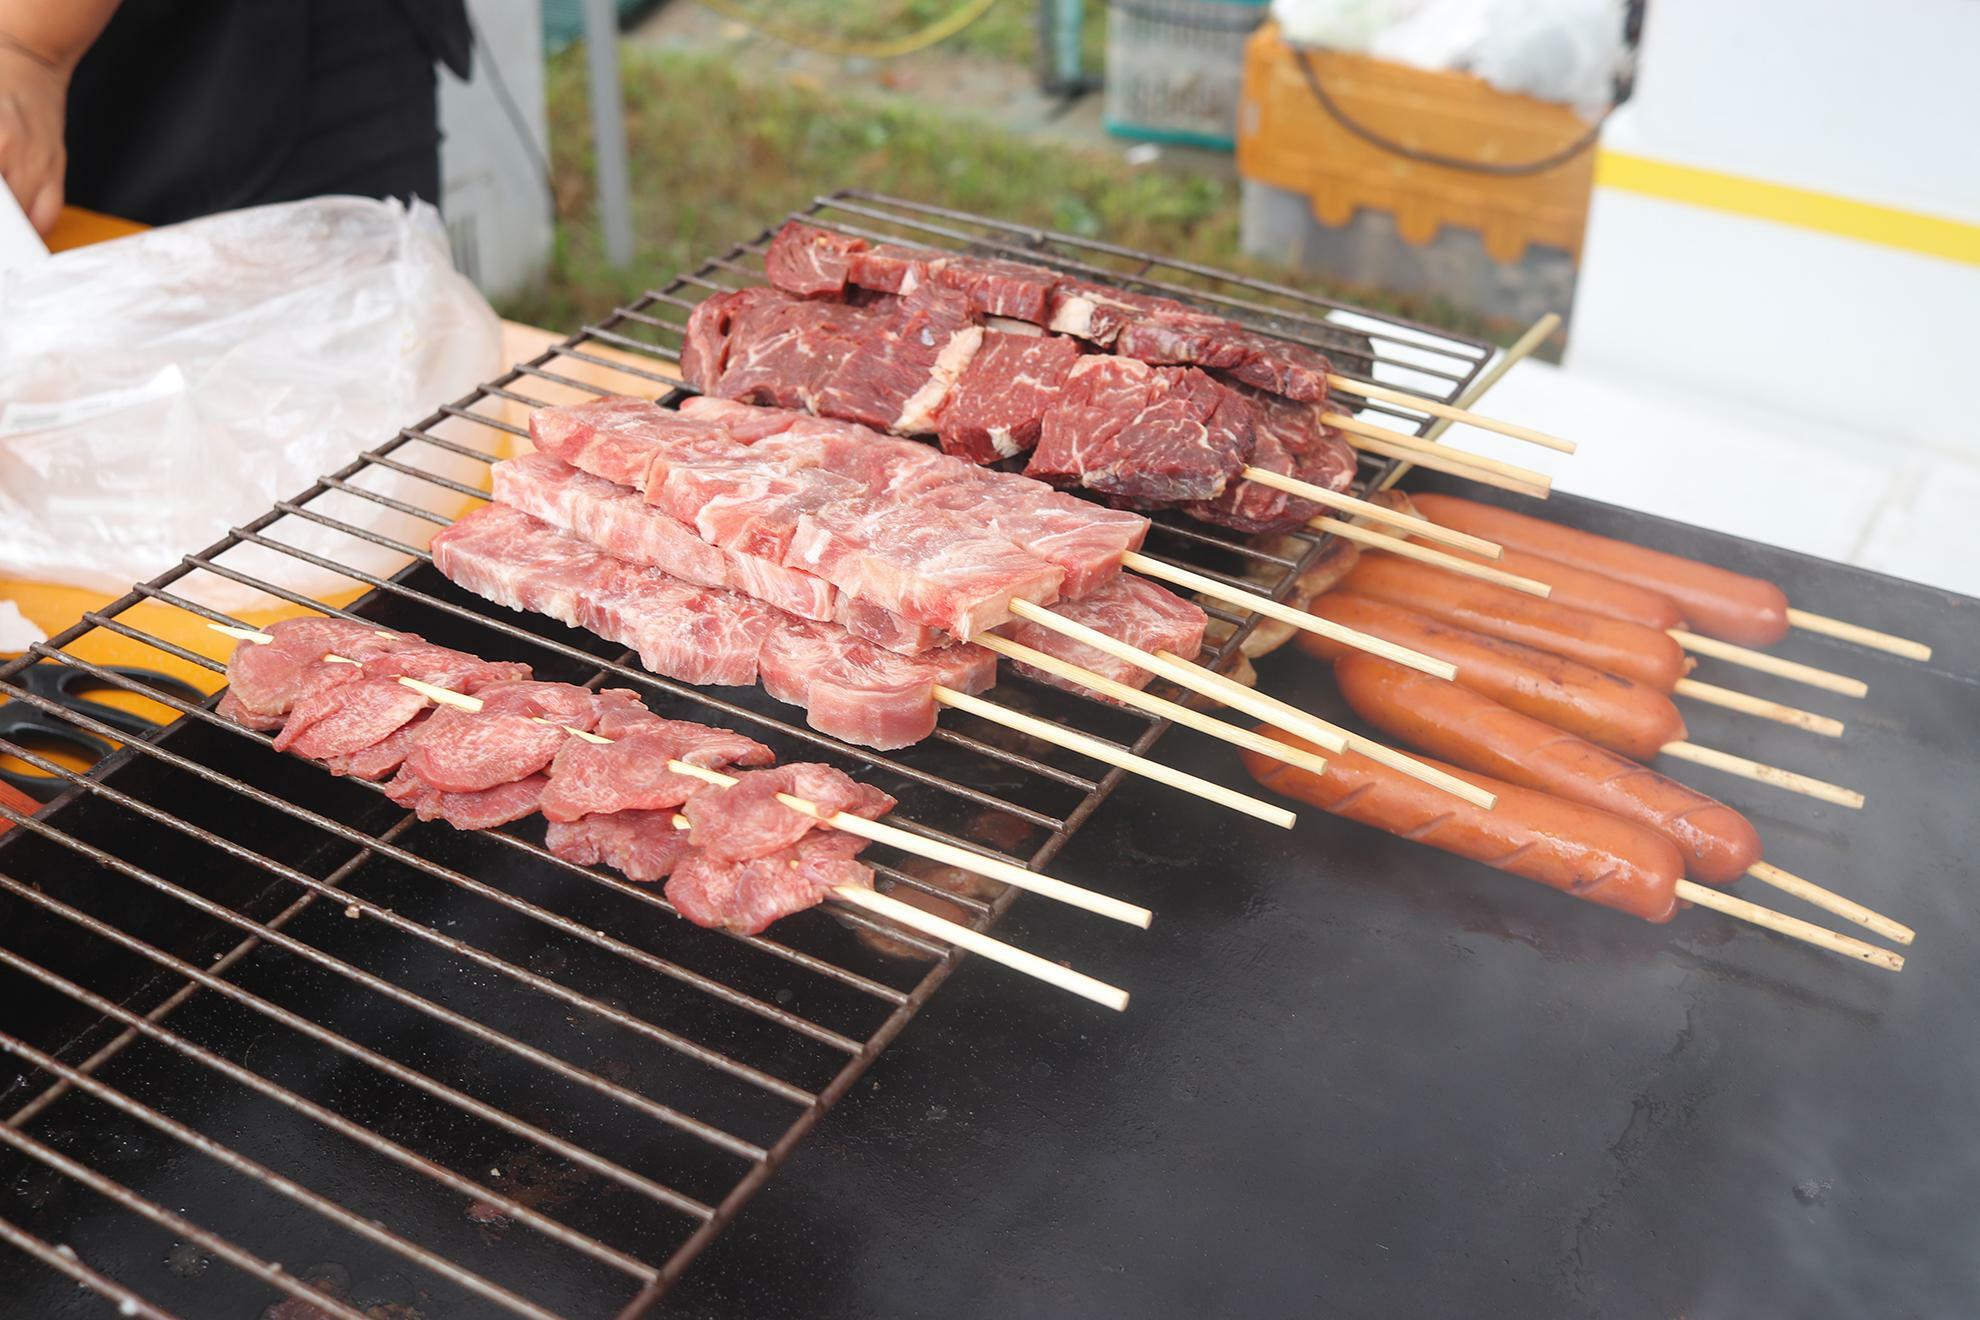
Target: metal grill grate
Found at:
x=252, y=1013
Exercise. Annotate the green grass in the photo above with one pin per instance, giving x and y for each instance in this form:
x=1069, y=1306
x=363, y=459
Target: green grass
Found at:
x=717, y=156
x=1008, y=32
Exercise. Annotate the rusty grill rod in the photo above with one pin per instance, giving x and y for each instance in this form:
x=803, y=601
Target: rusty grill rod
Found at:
x=570, y=1072
x=328, y=1118
x=389, y=1067
x=64, y=1260
x=286, y=1188
x=405, y=925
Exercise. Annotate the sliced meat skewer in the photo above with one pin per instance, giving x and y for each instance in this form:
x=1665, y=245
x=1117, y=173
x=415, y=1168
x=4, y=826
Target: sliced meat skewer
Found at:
x=810, y=262
x=994, y=868
x=698, y=481
x=847, y=687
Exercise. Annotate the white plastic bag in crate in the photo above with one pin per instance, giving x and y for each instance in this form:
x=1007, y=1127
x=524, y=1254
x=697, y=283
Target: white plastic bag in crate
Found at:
x=160, y=388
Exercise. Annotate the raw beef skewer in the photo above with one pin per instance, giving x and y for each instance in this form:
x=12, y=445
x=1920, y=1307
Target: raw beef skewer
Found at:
x=811, y=262
x=744, y=477
x=847, y=822
x=848, y=688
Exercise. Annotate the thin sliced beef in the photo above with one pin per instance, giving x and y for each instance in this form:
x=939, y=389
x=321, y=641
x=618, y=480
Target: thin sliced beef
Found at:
x=465, y=751
x=457, y=671
x=467, y=811
x=229, y=707
x=347, y=718
x=618, y=438
x=1129, y=609
x=998, y=406
x=619, y=522
x=1154, y=434
x=810, y=262
x=852, y=689
x=910, y=354
x=267, y=678
x=925, y=566
x=381, y=758
x=745, y=820
x=695, y=634
x=640, y=845
x=745, y=897
x=560, y=703
x=630, y=773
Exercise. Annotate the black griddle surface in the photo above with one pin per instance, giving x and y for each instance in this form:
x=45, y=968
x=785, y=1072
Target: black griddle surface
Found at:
x=1362, y=1078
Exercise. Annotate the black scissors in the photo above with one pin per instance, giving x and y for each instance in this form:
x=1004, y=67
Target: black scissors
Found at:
x=27, y=725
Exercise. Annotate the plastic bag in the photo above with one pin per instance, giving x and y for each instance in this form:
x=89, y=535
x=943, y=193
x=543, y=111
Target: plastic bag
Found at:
x=1567, y=51
x=158, y=389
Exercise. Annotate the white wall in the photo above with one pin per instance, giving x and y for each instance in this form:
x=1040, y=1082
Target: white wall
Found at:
x=1873, y=102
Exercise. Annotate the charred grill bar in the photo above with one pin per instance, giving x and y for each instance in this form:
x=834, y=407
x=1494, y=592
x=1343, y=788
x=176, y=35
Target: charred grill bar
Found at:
x=254, y=1014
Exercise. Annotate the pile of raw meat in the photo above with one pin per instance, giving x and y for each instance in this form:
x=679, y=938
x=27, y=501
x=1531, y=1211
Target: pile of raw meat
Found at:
x=846, y=570
x=1140, y=399
x=746, y=860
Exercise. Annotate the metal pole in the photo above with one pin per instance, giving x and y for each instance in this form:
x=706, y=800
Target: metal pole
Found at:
x=608, y=130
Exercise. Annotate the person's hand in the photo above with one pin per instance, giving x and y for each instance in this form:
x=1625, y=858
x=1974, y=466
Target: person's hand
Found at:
x=33, y=103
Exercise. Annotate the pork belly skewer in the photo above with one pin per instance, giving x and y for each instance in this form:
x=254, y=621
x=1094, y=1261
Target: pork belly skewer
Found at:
x=994, y=868
x=811, y=262
x=1031, y=515
x=711, y=635
x=804, y=506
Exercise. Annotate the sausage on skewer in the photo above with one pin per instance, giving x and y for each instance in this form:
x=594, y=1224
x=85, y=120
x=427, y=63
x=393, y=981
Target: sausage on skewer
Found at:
x=1646, y=655
x=1604, y=708
x=1564, y=845
x=1717, y=602
x=1717, y=843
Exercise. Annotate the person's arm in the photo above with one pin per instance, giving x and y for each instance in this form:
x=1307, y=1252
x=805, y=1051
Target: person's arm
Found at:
x=41, y=41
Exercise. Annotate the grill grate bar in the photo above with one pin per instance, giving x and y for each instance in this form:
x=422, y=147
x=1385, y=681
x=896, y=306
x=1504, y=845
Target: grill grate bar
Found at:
x=631, y=345
x=286, y=1188
x=1443, y=340
x=357, y=1132
x=399, y=1072
x=112, y=1190
x=556, y=990
x=378, y=985
x=64, y=1260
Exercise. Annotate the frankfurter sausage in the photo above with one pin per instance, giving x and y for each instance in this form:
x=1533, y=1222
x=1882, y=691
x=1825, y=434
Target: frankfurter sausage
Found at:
x=1620, y=715
x=1563, y=845
x=1746, y=610
x=1717, y=843
x=1644, y=654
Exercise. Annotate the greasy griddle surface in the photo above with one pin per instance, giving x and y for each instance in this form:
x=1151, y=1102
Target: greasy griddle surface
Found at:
x=1363, y=1078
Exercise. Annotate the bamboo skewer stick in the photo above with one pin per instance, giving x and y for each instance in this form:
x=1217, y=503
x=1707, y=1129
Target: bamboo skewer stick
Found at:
x=975, y=941
x=1523, y=347
x=1856, y=632
x=1828, y=900
x=1781, y=923
x=1409, y=523
x=1425, y=555
x=1159, y=706
x=1765, y=774
x=1766, y=710
x=1441, y=457
x=1258, y=603
x=1449, y=412
x=995, y=868
x=1299, y=721
x=1106, y=752
x=1770, y=664
x=1193, y=676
